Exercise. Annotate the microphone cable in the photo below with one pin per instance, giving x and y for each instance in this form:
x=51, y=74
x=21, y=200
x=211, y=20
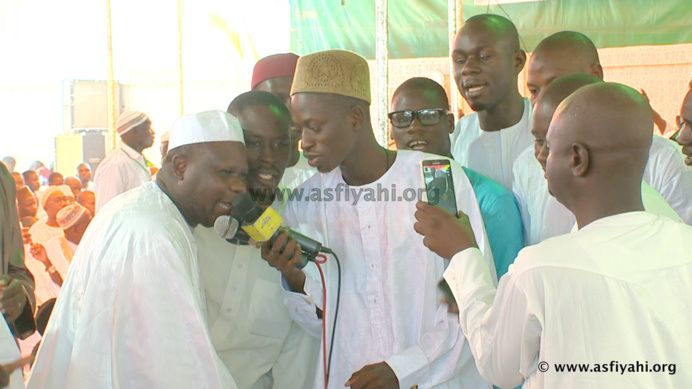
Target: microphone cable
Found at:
x=328, y=359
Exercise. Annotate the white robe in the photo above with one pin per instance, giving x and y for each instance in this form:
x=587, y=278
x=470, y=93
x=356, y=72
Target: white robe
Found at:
x=491, y=153
x=41, y=232
x=60, y=251
x=390, y=309
x=45, y=289
x=616, y=290
x=667, y=173
x=10, y=353
x=122, y=169
x=544, y=217
x=131, y=313
x=250, y=326
x=296, y=175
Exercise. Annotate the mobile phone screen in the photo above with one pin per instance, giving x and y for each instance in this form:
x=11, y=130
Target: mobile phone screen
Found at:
x=439, y=186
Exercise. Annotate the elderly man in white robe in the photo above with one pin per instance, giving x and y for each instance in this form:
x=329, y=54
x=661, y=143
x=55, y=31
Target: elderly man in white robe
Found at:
x=487, y=59
x=251, y=328
x=51, y=260
x=52, y=200
x=125, y=167
x=131, y=313
x=596, y=296
x=391, y=330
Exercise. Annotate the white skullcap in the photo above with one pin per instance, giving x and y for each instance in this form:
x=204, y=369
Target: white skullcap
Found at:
x=66, y=190
x=45, y=194
x=204, y=127
x=69, y=215
x=129, y=120
x=166, y=136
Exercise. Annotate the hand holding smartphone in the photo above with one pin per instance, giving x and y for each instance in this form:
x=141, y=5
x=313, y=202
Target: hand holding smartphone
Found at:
x=439, y=184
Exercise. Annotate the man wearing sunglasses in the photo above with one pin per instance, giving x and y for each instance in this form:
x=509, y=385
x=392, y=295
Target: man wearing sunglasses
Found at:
x=420, y=120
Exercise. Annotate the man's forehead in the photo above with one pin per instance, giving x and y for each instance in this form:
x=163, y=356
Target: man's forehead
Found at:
x=57, y=195
x=687, y=107
x=426, y=95
x=540, y=121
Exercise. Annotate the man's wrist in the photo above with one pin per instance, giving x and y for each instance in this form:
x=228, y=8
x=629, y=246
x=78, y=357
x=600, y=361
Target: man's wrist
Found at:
x=295, y=280
x=50, y=269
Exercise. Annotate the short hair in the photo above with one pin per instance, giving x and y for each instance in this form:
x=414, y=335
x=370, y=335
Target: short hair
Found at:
x=27, y=173
x=573, y=42
x=423, y=83
x=255, y=98
x=561, y=88
x=500, y=25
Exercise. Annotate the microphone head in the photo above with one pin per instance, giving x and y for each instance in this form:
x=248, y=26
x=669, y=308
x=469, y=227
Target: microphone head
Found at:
x=245, y=209
x=226, y=226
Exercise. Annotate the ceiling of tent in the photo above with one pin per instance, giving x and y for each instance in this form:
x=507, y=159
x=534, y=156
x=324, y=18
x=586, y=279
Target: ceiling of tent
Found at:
x=418, y=28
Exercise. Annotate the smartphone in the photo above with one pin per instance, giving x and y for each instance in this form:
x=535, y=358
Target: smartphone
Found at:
x=439, y=185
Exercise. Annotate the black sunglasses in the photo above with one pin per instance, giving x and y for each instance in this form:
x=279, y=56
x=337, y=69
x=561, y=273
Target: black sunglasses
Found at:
x=426, y=117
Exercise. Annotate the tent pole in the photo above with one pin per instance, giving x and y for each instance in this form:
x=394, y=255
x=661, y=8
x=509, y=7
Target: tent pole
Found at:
x=382, y=72
x=180, y=58
x=452, y=23
x=110, y=143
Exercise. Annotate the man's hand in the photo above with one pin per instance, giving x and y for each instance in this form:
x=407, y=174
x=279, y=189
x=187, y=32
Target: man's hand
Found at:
x=284, y=255
x=448, y=297
x=444, y=234
x=12, y=299
x=377, y=376
x=26, y=236
x=39, y=254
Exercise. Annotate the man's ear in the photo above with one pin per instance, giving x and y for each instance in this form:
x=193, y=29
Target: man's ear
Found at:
x=581, y=161
x=180, y=163
x=597, y=70
x=356, y=117
x=450, y=122
x=519, y=58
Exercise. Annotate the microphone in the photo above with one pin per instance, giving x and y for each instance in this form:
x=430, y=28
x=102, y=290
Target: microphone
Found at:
x=227, y=227
x=264, y=225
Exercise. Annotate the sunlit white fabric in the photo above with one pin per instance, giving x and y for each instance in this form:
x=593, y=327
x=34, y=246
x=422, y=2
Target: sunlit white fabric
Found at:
x=544, y=217
x=296, y=175
x=491, y=153
x=122, y=169
x=131, y=313
x=390, y=308
x=608, y=292
x=41, y=232
x=250, y=326
x=60, y=251
x=667, y=173
x=45, y=289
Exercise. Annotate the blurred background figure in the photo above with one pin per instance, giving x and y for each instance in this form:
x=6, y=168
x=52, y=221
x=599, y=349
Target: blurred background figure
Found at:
x=26, y=207
x=10, y=163
x=74, y=184
x=55, y=179
x=88, y=200
x=163, y=148
x=32, y=181
x=18, y=179
x=84, y=175
x=125, y=167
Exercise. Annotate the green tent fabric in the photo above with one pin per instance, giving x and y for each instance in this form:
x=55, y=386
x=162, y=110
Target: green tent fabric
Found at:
x=419, y=28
